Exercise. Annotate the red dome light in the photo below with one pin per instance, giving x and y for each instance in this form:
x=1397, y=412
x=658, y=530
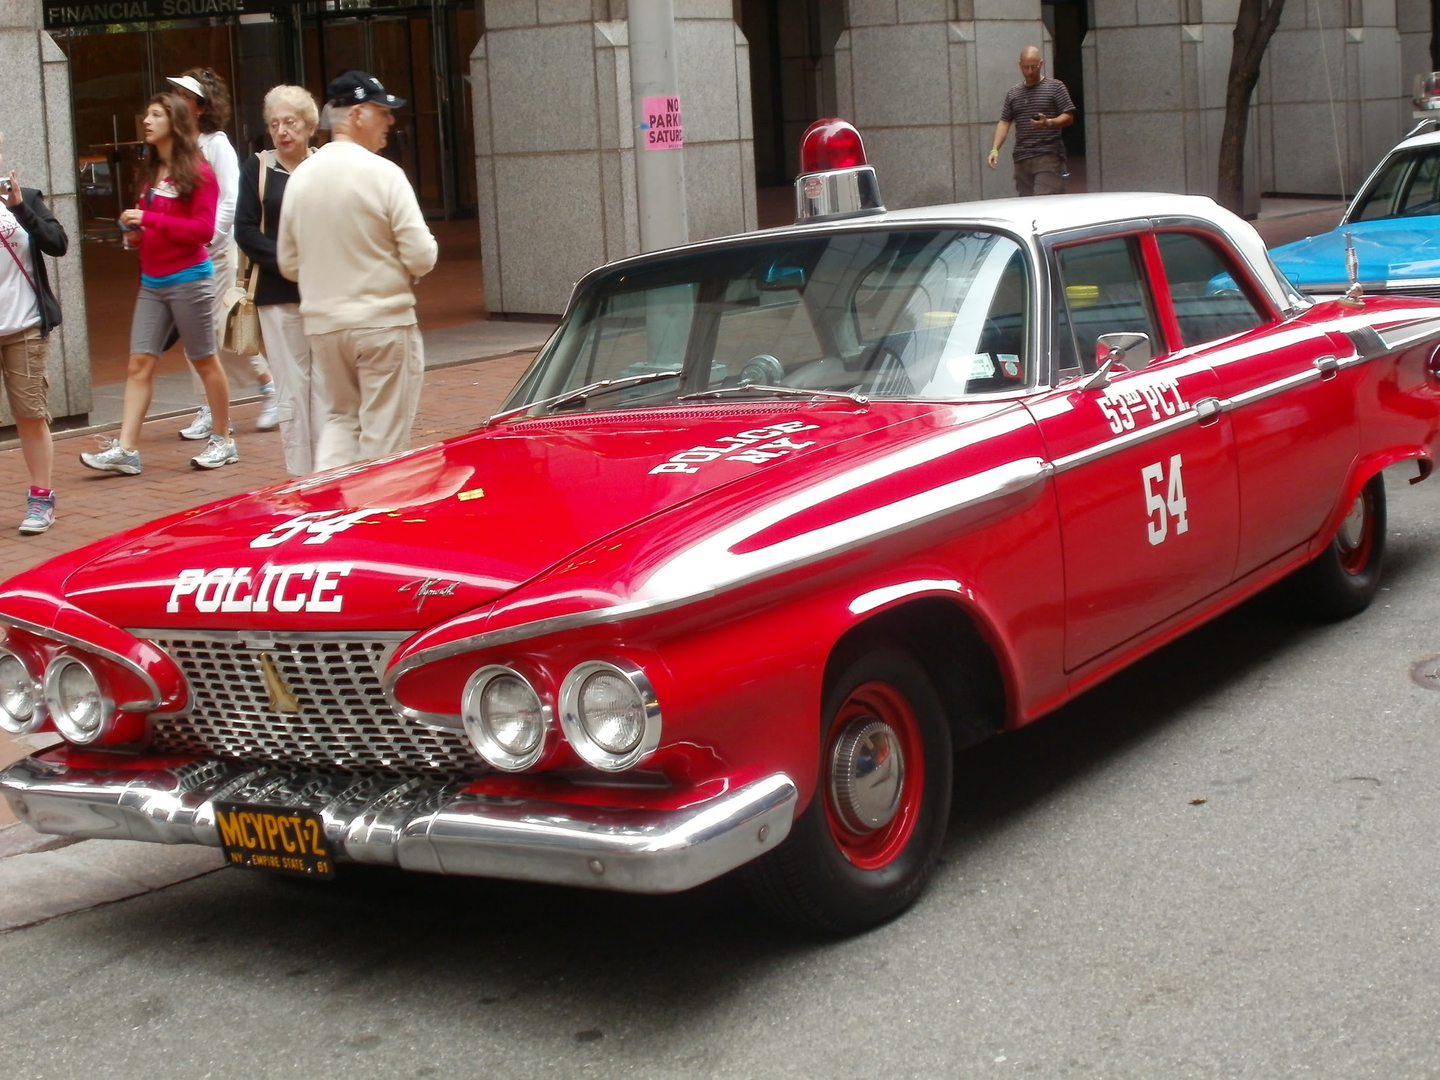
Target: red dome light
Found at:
x=830, y=144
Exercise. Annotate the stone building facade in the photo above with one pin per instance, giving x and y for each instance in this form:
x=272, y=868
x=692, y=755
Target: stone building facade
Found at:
x=554, y=136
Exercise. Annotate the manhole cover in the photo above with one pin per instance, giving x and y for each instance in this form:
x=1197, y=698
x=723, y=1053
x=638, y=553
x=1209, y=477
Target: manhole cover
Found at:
x=1427, y=673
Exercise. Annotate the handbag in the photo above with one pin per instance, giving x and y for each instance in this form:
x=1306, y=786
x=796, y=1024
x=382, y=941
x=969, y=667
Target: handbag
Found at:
x=242, y=320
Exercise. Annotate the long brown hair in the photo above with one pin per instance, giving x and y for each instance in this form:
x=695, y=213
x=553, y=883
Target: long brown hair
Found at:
x=185, y=156
x=216, y=103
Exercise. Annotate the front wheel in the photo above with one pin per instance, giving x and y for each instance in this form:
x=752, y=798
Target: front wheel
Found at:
x=1345, y=577
x=866, y=845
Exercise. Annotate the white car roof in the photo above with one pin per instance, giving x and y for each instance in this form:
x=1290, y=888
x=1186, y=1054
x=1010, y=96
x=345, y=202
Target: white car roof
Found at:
x=1044, y=215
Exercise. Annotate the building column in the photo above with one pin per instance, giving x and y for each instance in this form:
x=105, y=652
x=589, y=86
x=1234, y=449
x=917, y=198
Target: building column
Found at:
x=1322, y=135
x=39, y=146
x=924, y=81
x=1331, y=100
x=555, y=140
x=1155, y=78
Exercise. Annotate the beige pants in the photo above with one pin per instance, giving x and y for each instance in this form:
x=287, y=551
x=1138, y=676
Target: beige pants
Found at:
x=298, y=402
x=370, y=383
x=246, y=367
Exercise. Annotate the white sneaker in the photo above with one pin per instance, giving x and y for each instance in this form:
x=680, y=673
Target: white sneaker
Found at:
x=112, y=458
x=201, y=427
x=269, y=418
x=218, y=451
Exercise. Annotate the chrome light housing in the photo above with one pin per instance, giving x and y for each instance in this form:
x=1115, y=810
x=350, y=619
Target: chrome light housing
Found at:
x=21, y=708
x=505, y=718
x=609, y=713
x=76, y=700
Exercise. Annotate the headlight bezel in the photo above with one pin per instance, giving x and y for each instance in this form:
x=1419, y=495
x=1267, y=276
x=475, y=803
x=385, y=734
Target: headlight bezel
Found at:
x=577, y=733
x=479, y=729
x=9, y=723
x=54, y=671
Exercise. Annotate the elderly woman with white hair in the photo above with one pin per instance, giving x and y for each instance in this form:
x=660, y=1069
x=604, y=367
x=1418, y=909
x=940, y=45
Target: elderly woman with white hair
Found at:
x=291, y=116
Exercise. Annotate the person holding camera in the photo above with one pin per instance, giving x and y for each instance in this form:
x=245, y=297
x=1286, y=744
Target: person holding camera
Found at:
x=28, y=312
x=291, y=116
x=170, y=227
x=1040, y=109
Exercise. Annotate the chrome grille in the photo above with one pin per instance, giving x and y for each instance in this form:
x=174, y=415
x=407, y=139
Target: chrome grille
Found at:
x=343, y=719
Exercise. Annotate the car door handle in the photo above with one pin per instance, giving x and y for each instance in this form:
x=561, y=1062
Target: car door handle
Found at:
x=1327, y=366
x=1208, y=410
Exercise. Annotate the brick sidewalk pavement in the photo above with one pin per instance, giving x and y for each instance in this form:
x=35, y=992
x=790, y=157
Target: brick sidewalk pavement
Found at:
x=93, y=505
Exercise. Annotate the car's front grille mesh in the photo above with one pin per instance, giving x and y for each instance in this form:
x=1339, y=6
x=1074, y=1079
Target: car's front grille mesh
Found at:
x=343, y=718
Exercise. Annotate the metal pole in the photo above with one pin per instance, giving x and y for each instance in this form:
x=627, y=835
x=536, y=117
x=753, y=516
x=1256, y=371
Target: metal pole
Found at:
x=659, y=173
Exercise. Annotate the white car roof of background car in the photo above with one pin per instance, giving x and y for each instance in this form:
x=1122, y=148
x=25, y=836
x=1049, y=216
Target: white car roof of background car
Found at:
x=1429, y=138
x=1028, y=217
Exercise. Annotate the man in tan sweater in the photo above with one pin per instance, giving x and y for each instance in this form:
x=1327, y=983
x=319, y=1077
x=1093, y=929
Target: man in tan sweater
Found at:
x=353, y=237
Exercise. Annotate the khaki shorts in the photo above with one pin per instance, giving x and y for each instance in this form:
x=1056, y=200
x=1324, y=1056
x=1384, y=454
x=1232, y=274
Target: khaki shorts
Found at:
x=22, y=357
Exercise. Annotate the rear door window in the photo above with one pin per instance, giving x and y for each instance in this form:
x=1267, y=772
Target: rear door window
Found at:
x=1208, y=298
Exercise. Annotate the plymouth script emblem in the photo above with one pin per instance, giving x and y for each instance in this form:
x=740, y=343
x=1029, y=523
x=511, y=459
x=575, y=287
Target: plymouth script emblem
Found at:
x=430, y=586
x=281, y=699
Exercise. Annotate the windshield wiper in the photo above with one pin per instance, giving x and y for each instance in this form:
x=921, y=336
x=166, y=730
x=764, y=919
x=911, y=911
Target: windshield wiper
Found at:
x=784, y=391
x=580, y=394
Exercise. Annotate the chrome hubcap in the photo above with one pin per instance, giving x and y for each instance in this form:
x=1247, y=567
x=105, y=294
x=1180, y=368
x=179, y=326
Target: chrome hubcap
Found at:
x=867, y=775
x=1352, y=529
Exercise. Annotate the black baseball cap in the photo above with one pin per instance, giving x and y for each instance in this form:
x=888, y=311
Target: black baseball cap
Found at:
x=356, y=88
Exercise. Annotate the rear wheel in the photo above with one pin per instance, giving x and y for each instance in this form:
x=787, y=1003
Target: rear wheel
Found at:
x=1346, y=576
x=866, y=845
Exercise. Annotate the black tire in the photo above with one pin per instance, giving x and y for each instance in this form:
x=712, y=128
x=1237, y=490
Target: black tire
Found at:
x=833, y=876
x=1343, y=580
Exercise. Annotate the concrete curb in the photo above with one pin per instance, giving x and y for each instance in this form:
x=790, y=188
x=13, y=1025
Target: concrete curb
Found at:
x=40, y=885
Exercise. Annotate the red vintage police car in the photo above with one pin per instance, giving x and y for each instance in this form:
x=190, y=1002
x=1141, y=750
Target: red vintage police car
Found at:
x=774, y=526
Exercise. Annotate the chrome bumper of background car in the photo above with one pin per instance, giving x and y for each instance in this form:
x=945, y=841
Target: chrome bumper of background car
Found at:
x=420, y=824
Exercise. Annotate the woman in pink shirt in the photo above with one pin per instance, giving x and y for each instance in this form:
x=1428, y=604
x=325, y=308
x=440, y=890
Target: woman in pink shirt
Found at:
x=171, y=224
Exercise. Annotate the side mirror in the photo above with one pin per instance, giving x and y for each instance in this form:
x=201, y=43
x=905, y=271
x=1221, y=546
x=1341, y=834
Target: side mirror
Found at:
x=1133, y=350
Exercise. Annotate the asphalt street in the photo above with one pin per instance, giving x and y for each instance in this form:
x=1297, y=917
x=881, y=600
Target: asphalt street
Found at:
x=1221, y=863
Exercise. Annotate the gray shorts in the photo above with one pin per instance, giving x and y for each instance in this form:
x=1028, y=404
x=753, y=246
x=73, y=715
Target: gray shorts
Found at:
x=188, y=306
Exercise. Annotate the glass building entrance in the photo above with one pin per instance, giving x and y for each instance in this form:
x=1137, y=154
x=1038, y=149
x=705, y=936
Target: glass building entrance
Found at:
x=420, y=52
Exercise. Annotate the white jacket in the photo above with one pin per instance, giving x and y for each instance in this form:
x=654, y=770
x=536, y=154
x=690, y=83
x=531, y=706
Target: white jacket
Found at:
x=353, y=236
x=215, y=145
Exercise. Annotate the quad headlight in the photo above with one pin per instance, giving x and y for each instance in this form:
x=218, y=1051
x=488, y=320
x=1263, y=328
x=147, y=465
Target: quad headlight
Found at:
x=610, y=714
x=75, y=699
x=505, y=718
x=20, y=709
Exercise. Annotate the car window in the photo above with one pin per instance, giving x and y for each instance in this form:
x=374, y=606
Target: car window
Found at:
x=750, y=337
x=926, y=314
x=1209, y=302
x=1383, y=197
x=1105, y=292
x=1421, y=196
x=633, y=332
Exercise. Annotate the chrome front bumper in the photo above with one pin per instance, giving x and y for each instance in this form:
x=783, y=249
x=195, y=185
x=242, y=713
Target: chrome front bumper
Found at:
x=418, y=824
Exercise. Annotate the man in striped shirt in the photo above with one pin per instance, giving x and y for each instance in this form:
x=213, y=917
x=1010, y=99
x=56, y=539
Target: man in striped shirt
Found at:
x=1040, y=109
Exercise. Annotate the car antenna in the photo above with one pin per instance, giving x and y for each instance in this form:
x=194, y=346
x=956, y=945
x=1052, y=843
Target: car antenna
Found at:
x=1355, y=295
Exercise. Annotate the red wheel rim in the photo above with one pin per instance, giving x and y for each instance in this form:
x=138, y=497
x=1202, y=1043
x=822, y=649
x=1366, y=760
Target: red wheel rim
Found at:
x=871, y=702
x=1356, y=535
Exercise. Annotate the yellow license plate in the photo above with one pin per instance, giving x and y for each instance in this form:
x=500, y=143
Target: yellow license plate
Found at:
x=275, y=838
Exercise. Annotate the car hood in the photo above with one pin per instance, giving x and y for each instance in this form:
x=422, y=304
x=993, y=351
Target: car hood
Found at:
x=402, y=543
x=1387, y=250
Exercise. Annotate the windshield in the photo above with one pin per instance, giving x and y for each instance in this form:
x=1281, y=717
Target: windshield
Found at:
x=929, y=314
x=1407, y=185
